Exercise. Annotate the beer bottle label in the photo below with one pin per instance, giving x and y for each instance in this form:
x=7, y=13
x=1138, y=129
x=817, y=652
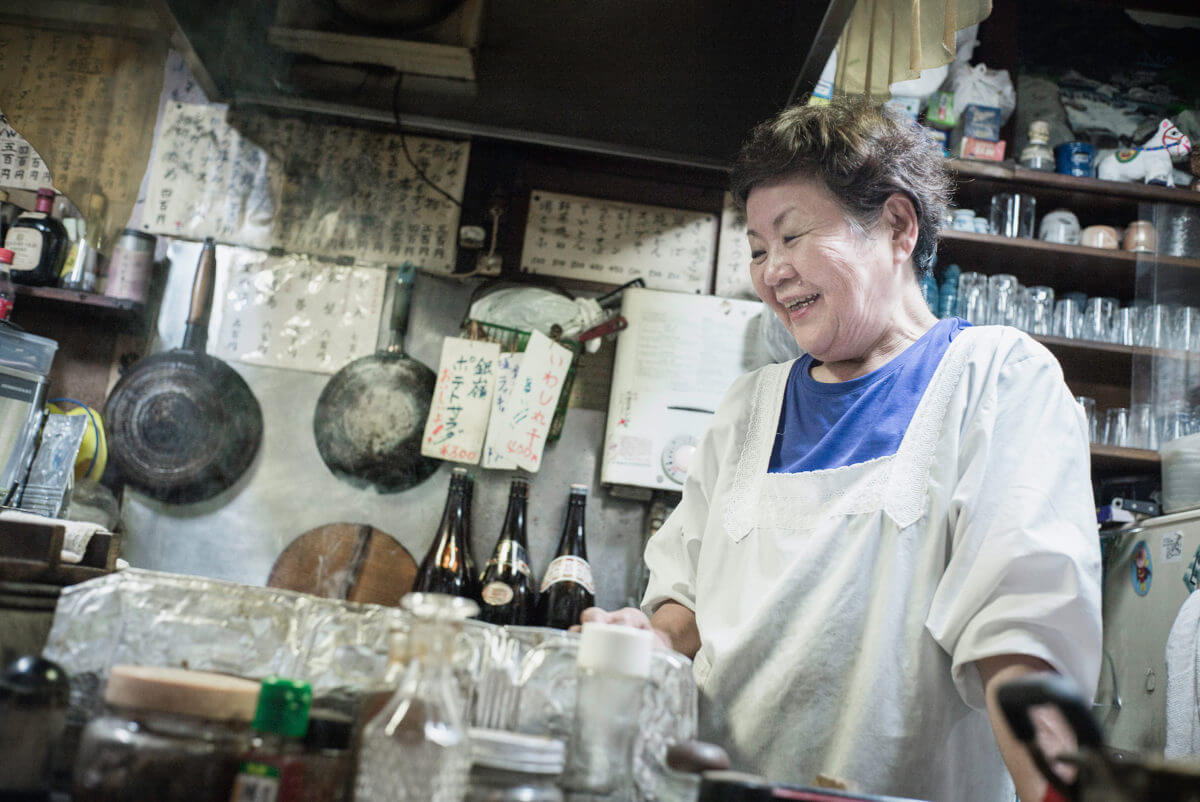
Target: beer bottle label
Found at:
x=569, y=569
x=511, y=553
x=496, y=594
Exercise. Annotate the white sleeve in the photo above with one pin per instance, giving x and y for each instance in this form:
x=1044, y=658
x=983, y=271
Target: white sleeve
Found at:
x=1023, y=574
x=673, y=551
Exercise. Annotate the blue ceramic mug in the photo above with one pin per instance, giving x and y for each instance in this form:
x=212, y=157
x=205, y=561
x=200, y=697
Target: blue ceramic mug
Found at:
x=1074, y=158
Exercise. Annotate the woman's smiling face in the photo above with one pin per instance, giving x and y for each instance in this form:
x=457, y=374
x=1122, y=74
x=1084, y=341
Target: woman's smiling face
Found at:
x=837, y=290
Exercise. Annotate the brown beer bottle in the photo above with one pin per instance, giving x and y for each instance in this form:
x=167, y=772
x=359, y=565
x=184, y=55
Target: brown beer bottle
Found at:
x=448, y=566
x=567, y=588
x=508, y=593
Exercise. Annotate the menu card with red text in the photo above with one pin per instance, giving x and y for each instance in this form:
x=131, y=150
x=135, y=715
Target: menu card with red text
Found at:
x=462, y=400
x=521, y=429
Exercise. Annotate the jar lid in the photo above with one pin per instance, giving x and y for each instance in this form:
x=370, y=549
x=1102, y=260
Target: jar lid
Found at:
x=514, y=751
x=142, y=235
x=1039, y=131
x=615, y=649
x=187, y=693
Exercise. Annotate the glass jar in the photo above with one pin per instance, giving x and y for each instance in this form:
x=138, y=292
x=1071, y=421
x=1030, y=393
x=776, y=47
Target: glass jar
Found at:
x=1037, y=155
x=511, y=767
x=168, y=734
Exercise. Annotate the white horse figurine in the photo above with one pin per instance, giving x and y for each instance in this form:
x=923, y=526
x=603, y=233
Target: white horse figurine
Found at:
x=1151, y=162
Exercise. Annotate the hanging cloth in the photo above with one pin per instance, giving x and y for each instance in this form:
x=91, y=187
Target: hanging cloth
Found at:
x=886, y=41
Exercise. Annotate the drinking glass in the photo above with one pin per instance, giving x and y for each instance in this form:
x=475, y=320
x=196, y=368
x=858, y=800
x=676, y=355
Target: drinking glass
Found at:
x=1116, y=427
x=1089, y=409
x=1154, y=326
x=1125, y=329
x=1098, y=319
x=1175, y=422
x=1012, y=214
x=1142, y=433
x=1003, y=291
x=972, y=298
x=1187, y=329
x=1068, y=319
x=1037, y=310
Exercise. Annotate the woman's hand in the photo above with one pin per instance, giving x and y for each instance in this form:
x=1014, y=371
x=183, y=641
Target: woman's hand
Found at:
x=674, y=626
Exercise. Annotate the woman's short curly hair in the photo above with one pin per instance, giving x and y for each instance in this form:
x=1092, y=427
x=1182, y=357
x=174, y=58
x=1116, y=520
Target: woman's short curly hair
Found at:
x=861, y=153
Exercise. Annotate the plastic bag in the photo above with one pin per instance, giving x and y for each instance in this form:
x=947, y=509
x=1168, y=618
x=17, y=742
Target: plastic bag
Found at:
x=529, y=308
x=975, y=83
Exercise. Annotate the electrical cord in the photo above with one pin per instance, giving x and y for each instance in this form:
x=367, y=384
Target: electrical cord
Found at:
x=404, y=143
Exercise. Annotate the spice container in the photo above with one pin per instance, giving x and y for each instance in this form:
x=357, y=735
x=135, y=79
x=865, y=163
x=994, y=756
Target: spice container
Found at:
x=169, y=734
x=510, y=767
x=131, y=265
x=274, y=768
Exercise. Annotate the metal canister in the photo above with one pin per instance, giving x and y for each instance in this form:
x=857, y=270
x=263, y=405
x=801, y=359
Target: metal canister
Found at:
x=131, y=266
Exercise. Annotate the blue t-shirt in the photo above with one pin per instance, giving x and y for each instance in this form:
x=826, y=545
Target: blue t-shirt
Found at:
x=845, y=423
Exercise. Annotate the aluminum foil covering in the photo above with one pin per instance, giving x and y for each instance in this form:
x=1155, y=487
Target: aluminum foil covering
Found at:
x=517, y=678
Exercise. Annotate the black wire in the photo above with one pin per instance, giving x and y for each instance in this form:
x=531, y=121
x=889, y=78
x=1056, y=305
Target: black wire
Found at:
x=404, y=142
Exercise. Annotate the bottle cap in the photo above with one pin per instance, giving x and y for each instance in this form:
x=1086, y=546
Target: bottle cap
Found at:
x=6, y=256
x=283, y=707
x=1039, y=131
x=579, y=490
x=46, y=192
x=615, y=649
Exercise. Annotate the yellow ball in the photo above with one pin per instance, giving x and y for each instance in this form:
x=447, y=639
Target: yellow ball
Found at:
x=94, y=444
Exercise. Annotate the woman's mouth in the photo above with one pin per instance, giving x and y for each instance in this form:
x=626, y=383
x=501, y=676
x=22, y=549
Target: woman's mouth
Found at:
x=802, y=303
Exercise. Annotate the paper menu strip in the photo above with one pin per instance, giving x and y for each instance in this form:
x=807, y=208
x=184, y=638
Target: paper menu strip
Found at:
x=462, y=400
x=733, y=255
x=20, y=165
x=508, y=367
x=328, y=190
x=610, y=242
x=521, y=429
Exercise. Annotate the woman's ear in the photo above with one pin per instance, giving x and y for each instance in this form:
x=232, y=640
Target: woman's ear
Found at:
x=900, y=217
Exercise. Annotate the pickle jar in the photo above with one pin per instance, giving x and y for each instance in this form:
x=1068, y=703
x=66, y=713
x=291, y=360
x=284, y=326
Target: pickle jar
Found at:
x=512, y=767
x=167, y=733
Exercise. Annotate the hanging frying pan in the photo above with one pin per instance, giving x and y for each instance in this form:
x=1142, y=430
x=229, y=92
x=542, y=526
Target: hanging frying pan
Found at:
x=370, y=417
x=183, y=426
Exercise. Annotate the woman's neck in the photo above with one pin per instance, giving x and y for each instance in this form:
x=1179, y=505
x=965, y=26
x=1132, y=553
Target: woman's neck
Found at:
x=912, y=321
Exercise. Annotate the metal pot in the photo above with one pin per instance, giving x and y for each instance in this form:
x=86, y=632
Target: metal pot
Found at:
x=1102, y=775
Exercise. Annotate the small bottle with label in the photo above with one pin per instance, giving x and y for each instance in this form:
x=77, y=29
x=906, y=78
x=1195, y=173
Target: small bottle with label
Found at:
x=567, y=587
x=273, y=770
x=8, y=293
x=1037, y=155
x=39, y=244
x=507, y=585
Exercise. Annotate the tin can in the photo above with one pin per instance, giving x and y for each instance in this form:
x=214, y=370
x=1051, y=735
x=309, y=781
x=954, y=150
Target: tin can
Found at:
x=1074, y=158
x=131, y=265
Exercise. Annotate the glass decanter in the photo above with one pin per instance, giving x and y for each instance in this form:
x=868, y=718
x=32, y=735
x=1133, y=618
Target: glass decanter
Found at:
x=416, y=748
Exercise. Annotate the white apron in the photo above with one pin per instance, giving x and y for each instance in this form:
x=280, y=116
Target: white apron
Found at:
x=840, y=611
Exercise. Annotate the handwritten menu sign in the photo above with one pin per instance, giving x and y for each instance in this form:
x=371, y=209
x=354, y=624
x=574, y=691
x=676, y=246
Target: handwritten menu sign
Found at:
x=20, y=165
x=521, y=429
x=508, y=367
x=294, y=312
x=609, y=242
x=733, y=255
x=327, y=190
x=87, y=103
x=462, y=400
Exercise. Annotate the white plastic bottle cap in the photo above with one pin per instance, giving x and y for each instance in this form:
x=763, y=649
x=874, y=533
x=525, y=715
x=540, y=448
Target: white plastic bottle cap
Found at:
x=615, y=649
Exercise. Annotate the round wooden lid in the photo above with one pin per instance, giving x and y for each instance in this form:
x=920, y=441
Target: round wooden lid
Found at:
x=187, y=693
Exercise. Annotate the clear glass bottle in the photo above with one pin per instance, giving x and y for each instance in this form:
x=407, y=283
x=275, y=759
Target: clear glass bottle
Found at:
x=1037, y=155
x=416, y=748
x=81, y=271
x=612, y=666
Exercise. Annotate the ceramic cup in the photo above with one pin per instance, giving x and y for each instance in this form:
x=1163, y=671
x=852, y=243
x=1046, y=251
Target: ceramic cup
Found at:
x=1140, y=237
x=1099, y=237
x=1060, y=226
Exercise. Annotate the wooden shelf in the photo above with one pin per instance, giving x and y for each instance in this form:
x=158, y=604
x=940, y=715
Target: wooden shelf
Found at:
x=90, y=299
x=1098, y=272
x=1114, y=459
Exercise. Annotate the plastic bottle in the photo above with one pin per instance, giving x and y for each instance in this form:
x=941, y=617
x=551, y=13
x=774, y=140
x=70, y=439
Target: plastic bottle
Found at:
x=274, y=768
x=612, y=666
x=8, y=290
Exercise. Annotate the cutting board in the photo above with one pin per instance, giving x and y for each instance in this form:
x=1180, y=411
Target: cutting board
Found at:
x=355, y=562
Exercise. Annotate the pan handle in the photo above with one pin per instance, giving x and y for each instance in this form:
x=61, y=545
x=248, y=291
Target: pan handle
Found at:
x=401, y=301
x=1017, y=697
x=195, y=335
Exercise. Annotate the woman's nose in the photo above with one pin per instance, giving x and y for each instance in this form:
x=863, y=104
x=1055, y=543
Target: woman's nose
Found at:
x=779, y=266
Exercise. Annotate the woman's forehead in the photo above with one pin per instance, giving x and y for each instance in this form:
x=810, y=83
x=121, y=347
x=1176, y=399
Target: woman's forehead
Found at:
x=769, y=205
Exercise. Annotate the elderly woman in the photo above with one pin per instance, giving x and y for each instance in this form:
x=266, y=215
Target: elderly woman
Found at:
x=875, y=536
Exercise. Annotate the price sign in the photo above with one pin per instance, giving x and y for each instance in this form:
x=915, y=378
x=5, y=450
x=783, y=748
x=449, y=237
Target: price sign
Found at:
x=462, y=401
x=521, y=429
x=508, y=367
